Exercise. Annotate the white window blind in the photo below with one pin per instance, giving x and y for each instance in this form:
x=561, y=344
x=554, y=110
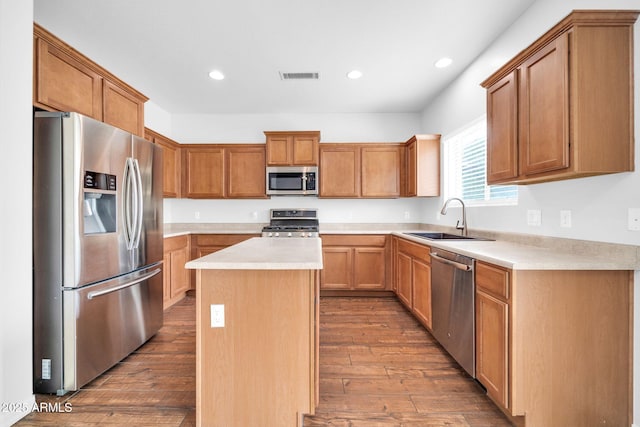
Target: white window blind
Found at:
x=465, y=168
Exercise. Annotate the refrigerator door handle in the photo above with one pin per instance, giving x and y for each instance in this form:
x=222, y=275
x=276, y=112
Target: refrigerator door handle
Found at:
x=92, y=295
x=128, y=205
x=137, y=177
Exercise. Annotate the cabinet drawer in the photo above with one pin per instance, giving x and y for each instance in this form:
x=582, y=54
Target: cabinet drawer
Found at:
x=353, y=240
x=416, y=250
x=492, y=279
x=220, y=239
x=176, y=242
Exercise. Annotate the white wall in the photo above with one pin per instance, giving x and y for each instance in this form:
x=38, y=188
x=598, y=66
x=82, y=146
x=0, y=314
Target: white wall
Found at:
x=16, y=46
x=598, y=204
x=157, y=119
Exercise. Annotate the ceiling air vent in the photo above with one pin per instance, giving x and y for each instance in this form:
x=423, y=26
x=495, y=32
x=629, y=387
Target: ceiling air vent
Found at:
x=299, y=76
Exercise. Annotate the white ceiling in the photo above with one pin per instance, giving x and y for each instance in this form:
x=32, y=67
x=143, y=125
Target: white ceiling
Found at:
x=166, y=48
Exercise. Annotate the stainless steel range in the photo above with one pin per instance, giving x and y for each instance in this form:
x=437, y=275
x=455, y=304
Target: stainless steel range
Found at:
x=292, y=223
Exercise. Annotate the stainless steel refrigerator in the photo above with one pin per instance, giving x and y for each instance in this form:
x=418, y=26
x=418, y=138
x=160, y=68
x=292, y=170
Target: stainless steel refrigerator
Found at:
x=97, y=248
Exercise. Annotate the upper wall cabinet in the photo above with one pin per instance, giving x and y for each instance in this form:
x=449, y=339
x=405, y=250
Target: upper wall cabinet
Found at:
x=171, y=155
x=292, y=148
x=360, y=170
x=215, y=171
x=421, y=171
x=563, y=107
x=66, y=80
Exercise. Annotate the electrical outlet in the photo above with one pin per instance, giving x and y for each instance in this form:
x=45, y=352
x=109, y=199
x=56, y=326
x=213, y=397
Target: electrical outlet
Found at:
x=197, y=215
x=565, y=219
x=217, y=315
x=634, y=219
x=407, y=215
x=534, y=217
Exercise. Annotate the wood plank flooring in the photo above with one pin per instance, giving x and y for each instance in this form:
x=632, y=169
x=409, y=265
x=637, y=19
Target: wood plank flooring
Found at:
x=378, y=368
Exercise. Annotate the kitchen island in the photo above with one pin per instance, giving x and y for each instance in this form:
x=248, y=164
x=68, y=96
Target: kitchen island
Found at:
x=257, y=332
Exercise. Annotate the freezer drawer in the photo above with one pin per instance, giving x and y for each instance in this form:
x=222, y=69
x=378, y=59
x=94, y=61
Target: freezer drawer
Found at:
x=101, y=325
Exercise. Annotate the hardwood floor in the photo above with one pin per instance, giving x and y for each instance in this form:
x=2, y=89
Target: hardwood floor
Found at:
x=378, y=367
x=154, y=386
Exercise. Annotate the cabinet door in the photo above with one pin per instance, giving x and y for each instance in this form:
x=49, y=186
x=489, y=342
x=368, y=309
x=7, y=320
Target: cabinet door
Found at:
x=65, y=84
x=179, y=274
x=121, y=109
x=337, y=272
x=204, y=175
x=339, y=171
x=544, y=109
x=278, y=150
x=502, y=130
x=492, y=323
x=304, y=150
x=411, y=181
x=404, y=279
x=246, y=172
x=421, y=277
x=369, y=268
x=380, y=171
x=166, y=279
x=171, y=163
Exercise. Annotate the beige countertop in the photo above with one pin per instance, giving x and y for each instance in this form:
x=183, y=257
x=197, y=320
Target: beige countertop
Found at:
x=510, y=250
x=296, y=253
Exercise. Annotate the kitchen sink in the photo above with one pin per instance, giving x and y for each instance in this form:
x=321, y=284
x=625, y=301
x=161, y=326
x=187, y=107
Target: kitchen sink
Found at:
x=443, y=236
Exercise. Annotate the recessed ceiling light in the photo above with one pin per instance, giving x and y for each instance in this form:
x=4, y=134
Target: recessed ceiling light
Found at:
x=354, y=74
x=443, y=62
x=216, y=75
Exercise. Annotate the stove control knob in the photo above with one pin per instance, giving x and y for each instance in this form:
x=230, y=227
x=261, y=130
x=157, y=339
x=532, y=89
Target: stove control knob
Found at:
x=276, y=235
x=289, y=234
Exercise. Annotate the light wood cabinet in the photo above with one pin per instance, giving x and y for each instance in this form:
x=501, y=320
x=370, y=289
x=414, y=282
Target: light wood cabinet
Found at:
x=215, y=171
x=421, y=171
x=293, y=148
x=493, y=286
x=66, y=80
x=360, y=170
x=413, y=279
x=176, y=278
x=339, y=171
x=546, y=339
x=354, y=262
x=172, y=159
x=380, y=166
x=245, y=172
x=563, y=107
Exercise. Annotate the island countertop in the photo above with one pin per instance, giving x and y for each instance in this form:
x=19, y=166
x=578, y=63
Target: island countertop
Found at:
x=259, y=253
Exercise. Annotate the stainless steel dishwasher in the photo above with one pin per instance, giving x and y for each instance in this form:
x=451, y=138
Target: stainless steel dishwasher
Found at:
x=453, y=306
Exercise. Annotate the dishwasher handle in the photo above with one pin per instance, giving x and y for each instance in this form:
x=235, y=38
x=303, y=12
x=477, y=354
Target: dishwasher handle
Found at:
x=458, y=265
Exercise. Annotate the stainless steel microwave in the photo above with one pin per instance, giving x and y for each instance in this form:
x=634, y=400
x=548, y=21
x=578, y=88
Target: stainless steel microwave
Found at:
x=292, y=180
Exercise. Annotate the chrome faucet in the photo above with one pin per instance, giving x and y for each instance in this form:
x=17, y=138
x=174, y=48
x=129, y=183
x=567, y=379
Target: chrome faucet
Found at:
x=460, y=225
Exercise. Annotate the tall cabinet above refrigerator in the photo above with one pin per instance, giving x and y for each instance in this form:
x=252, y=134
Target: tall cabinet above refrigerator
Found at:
x=97, y=248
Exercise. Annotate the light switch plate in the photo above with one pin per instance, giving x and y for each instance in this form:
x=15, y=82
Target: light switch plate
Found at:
x=565, y=219
x=534, y=217
x=217, y=315
x=634, y=219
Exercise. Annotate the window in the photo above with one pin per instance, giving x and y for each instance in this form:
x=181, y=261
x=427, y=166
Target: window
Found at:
x=465, y=168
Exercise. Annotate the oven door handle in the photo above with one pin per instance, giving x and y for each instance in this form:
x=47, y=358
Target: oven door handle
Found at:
x=458, y=265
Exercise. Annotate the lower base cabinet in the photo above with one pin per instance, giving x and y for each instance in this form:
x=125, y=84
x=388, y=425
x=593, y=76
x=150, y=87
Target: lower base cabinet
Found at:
x=413, y=278
x=553, y=347
x=354, y=262
x=175, y=276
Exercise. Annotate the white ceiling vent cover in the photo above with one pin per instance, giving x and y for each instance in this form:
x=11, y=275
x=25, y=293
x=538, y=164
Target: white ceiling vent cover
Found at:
x=299, y=76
